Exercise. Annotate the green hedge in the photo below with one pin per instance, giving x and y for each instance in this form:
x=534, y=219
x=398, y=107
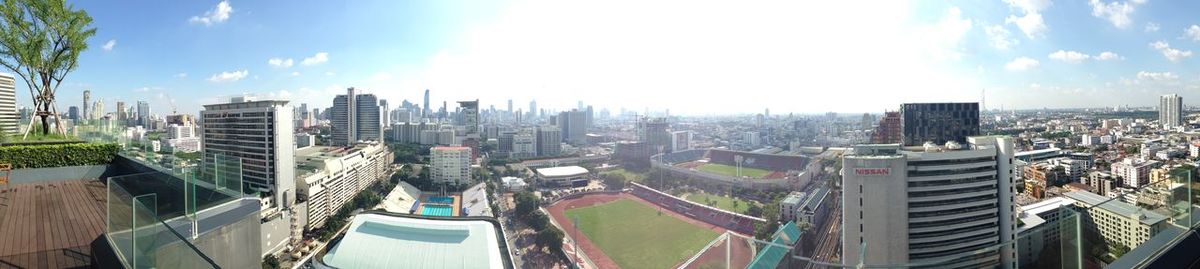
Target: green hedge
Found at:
x=39, y=156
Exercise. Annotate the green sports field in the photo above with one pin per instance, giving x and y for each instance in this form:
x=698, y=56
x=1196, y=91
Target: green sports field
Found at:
x=635, y=235
x=730, y=170
x=721, y=202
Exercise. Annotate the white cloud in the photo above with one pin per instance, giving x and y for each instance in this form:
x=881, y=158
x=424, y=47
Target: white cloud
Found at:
x=1192, y=32
x=1000, y=37
x=181, y=75
x=1021, y=64
x=1172, y=54
x=1156, y=76
x=945, y=36
x=1069, y=56
x=1116, y=12
x=295, y=74
x=108, y=46
x=329, y=73
x=218, y=14
x=229, y=76
x=279, y=62
x=1108, y=55
x=1151, y=27
x=1030, y=21
x=320, y=57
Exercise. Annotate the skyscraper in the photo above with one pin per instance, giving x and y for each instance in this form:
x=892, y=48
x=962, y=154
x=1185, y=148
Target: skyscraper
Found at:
x=470, y=116
x=87, y=100
x=574, y=126
x=73, y=113
x=121, y=113
x=259, y=135
x=143, y=111
x=938, y=122
x=921, y=206
x=425, y=113
x=533, y=109
x=355, y=117
x=549, y=140
x=9, y=119
x=888, y=131
x=1170, y=111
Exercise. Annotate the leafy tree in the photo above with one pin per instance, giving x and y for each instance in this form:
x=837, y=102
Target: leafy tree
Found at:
x=526, y=203
x=614, y=180
x=537, y=220
x=550, y=237
x=40, y=41
x=270, y=262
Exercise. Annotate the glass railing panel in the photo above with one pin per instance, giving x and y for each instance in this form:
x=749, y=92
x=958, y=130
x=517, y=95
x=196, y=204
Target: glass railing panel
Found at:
x=119, y=219
x=1181, y=190
x=146, y=230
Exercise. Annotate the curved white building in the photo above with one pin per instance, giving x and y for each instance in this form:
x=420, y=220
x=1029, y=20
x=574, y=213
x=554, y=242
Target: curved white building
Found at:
x=944, y=207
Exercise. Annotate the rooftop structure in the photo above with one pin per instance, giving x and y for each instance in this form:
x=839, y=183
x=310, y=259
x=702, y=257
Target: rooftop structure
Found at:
x=385, y=240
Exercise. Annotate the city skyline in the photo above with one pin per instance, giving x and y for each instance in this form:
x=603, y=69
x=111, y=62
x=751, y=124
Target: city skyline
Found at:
x=1026, y=54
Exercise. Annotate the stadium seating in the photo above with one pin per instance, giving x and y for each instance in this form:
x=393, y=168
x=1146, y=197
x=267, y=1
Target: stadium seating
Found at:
x=772, y=162
x=728, y=220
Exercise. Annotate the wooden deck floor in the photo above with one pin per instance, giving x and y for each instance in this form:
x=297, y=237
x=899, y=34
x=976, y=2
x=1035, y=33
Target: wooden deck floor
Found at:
x=50, y=225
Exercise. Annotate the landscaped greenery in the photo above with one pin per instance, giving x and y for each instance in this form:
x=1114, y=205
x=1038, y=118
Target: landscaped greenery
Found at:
x=722, y=202
x=39, y=156
x=635, y=235
x=730, y=170
x=629, y=175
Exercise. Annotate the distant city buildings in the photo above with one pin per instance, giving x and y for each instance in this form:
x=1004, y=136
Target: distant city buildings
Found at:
x=938, y=122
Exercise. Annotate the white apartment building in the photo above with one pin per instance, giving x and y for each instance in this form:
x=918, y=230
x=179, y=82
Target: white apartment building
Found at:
x=1117, y=222
x=329, y=177
x=451, y=165
x=524, y=146
x=1133, y=172
x=259, y=135
x=948, y=204
x=9, y=119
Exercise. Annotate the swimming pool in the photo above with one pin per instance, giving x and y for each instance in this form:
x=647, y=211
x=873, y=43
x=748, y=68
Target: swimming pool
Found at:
x=436, y=210
x=440, y=199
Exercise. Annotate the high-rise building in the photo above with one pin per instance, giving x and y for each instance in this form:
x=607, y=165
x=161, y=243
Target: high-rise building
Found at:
x=87, y=99
x=946, y=206
x=355, y=117
x=385, y=118
x=654, y=132
x=1170, y=111
x=549, y=140
x=574, y=126
x=97, y=109
x=470, y=115
x=121, y=113
x=888, y=131
x=681, y=140
x=73, y=113
x=533, y=109
x=510, y=108
x=426, y=110
x=143, y=111
x=451, y=165
x=259, y=135
x=9, y=119
x=938, y=122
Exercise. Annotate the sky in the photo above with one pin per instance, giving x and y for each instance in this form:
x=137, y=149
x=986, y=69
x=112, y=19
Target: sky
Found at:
x=692, y=57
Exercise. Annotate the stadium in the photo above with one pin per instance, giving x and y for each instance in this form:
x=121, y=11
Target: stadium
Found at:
x=641, y=227
x=756, y=170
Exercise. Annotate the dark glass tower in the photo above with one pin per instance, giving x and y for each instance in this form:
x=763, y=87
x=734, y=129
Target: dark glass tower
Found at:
x=939, y=122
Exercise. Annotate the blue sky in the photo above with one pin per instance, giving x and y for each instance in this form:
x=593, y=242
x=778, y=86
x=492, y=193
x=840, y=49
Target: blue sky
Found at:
x=694, y=58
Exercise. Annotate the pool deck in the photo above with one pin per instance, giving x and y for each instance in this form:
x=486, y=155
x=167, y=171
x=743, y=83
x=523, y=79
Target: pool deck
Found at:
x=455, y=207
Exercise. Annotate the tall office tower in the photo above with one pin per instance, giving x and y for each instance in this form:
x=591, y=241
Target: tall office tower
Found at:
x=260, y=134
x=444, y=112
x=304, y=110
x=1170, y=111
x=451, y=165
x=938, y=122
x=121, y=115
x=579, y=105
x=425, y=113
x=654, y=132
x=97, y=109
x=73, y=113
x=316, y=115
x=470, y=116
x=867, y=121
x=943, y=205
x=510, y=109
x=355, y=117
x=888, y=131
x=574, y=126
x=385, y=118
x=143, y=111
x=533, y=109
x=549, y=140
x=87, y=99
x=9, y=119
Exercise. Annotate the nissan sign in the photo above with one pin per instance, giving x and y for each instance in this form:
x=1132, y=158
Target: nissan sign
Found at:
x=872, y=171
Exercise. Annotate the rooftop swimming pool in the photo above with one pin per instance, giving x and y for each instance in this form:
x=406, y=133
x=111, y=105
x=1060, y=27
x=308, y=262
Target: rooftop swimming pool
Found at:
x=440, y=200
x=437, y=210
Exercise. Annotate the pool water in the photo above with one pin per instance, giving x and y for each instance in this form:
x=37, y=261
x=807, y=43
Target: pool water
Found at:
x=436, y=210
x=440, y=200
